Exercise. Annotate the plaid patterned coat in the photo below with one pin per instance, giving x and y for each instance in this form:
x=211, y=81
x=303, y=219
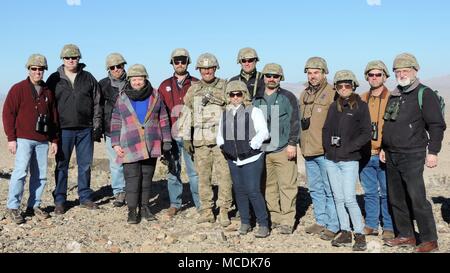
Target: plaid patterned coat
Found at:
x=139, y=141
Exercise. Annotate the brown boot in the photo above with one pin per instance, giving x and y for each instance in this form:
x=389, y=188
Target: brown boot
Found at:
x=388, y=235
x=206, y=216
x=224, y=219
x=401, y=241
x=427, y=247
x=360, y=242
x=343, y=239
x=314, y=229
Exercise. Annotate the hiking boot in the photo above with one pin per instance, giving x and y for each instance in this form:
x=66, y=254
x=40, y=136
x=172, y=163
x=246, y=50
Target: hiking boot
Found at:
x=360, y=242
x=388, y=235
x=172, y=211
x=133, y=216
x=38, y=212
x=244, y=229
x=343, y=239
x=314, y=229
x=120, y=199
x=327, y=235
x=59, y=209
x=15, y=216
x=401, y=242
x=427, y=247
x=223, y=218
x=90, y=205
x=370, y=231
x=285, y=229
x=262, y=232
x=206, y=216
x=147, y=214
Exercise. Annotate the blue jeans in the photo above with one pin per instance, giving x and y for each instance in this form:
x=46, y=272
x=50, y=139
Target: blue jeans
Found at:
x=373, y=181
x=247, y=190
x=321, y=194
x=34, y=154
x=174, y=182
x=116, y=169
x=343, y=177
x=82, y=140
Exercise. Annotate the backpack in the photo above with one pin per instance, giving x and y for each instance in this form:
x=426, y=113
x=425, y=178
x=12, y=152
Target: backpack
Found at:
x=441, y=100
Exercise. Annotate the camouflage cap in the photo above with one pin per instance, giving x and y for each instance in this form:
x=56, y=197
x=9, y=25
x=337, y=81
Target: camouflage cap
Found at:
x=137, y=70
x=317, y=63
x=207, y=60
x=37, y=60
x=70, y=50
x=247, y=53
x=273, y=68
x=346, y=75
x=377, y=64
x=236, y=86
x=406, y=60
x=180, y=52
x=114, y=59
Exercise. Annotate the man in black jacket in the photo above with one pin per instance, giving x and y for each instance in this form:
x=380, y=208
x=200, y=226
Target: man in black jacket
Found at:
x=407, y=133
x=111, y=86
x=247, y=58
x=77, y=96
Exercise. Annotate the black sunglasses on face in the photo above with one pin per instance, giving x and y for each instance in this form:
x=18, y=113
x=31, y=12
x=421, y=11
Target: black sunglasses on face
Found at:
x=236, y=94
x=374, y=75
x=70, y=58
x=248, y=60
x=114, y=67
x=37, y=68
x=275, y=76
x=180, y=62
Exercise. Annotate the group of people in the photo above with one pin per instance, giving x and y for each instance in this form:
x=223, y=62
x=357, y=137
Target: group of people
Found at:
x=247, y=130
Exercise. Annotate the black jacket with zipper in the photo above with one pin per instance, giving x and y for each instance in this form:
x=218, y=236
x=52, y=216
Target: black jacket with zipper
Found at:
x=78, y=105
x=353, y=127
x=109, y=98
x=414, y=129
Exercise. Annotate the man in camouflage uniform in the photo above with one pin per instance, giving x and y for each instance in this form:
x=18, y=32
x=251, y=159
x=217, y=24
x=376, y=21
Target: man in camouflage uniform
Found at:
x=248, y=58
x=315, y=101
x=204, y=103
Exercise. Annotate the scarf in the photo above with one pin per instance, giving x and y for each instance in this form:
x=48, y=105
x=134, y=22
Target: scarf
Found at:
x=138, y=95
x=118, y=83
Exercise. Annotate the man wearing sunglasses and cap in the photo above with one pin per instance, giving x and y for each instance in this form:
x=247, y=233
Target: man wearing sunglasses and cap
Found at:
x=280, y=108
x=78, y=97
x=30, y=122
x=110, y=87
x=247, y=58
x=173, y=91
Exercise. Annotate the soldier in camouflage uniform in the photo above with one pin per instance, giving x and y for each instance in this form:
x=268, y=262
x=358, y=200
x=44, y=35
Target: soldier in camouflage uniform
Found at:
x=204, y=103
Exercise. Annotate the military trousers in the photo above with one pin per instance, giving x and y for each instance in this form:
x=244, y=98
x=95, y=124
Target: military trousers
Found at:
x=205, y=158
x=281, y=188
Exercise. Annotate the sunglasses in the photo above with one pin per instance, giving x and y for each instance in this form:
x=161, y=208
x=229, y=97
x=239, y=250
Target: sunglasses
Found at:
x=244, y=61
x=180, y=62
x=344, y=85
x=71, y=58
x=275, y=76
x=114, y=67
x=37, y=69
x=374, y=75
x=236, y=94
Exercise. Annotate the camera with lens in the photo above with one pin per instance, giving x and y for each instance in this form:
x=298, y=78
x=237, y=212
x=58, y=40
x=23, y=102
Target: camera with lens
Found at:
x=336, y=141
x=305, y=122
x=375, y=131
x=42, y=124
x=392, y=111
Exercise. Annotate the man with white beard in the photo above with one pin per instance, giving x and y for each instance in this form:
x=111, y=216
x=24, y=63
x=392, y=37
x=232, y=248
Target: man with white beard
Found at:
x=412, y=138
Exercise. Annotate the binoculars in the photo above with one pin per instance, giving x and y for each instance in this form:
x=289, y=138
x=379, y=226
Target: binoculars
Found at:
x=305, y=122
x=392, y=111
x=42, y=124
x=375, y=131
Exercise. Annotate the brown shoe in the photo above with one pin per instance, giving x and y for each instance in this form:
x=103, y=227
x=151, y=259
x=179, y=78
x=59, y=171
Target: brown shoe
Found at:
x=206, y=216
x=38, y=212
x=172, y=211
x=401, y=241
x=427, y=247
x=224, y=219
x=59, y=209
x=388, y=235
x=89, y=205
x=314, y=229
x=327, y=235
x=370, y=231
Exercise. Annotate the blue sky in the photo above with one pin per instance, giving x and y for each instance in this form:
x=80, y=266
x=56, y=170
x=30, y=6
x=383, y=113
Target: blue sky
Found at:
x=347, y=33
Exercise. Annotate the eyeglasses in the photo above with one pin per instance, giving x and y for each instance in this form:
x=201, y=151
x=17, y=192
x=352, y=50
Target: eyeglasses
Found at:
x=37, y=69
x=236, y=94
x=275, y=76
x=248, y=60
x=71, y=58
x=371, y=75
x=114, y=67
x=183, y=62
x=344, y=85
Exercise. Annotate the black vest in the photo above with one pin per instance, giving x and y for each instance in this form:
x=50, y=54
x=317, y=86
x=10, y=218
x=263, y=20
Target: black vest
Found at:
x=237, y=132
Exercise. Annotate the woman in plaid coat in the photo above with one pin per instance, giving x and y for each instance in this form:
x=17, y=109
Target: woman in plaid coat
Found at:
x=139, y=129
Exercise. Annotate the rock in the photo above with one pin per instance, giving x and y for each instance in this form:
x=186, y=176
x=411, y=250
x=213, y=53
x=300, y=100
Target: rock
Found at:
x=73, y=247
x=115, y=249
x=374, y=247
x=196, y=238
x=170, y=239
x=161, y=236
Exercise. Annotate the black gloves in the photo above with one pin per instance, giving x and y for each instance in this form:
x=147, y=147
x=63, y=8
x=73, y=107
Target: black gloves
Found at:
x=97, y=134
x=167, y=146
x=187, y=144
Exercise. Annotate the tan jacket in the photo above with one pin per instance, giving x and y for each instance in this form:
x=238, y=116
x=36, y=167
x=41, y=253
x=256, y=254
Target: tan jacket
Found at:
x=315, y=106
x=377, y=107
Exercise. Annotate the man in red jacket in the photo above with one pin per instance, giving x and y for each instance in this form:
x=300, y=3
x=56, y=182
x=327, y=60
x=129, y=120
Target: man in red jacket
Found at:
x=30, y=121
x=173, y=91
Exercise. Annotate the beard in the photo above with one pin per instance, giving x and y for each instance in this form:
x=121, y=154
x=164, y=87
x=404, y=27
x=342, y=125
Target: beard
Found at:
x=180, y=71
x=405, y=82
x=273, y=85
